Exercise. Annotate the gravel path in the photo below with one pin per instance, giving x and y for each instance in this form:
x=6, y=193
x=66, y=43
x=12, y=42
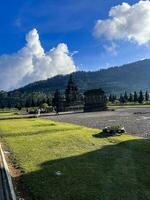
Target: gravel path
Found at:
x=138, y=124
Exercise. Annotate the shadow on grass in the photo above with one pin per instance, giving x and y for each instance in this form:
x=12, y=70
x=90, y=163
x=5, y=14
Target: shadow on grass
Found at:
x=114, y=172
x=44, y=125
x=105, y=135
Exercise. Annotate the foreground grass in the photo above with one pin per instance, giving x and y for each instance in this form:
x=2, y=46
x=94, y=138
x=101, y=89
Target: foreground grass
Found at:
x=91, y=168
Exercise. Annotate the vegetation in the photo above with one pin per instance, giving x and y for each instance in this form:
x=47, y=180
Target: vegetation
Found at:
x=114, y=80
x=8, y=112
x=130, y=99
x=65, y=161
x=129, y=77
x=113, y=130
x=46, y=101
x=19, y=100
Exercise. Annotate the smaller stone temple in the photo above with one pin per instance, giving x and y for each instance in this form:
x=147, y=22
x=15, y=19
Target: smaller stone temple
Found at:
x=95, y=100
x=71, y=93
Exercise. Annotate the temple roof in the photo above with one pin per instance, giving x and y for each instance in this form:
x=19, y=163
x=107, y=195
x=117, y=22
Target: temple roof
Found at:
x=94, y=92
x=71, y=85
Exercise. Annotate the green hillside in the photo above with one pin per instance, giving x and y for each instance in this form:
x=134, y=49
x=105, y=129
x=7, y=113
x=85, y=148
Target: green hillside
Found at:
x=129, y=77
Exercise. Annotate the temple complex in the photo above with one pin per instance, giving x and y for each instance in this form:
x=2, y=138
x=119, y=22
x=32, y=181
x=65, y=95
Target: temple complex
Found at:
x=92, y=100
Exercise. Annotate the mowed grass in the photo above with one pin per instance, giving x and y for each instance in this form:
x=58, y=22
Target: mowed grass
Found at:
x=90, y=168
x=129, y=106
x=3, y=114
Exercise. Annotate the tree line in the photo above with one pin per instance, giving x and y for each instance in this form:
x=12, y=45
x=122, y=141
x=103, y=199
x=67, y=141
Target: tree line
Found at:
x=19, y=100
x=36, y=99
x=136, y=97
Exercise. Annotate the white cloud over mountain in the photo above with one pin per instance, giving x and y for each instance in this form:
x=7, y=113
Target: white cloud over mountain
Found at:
x=127, y=22
x=31, y=63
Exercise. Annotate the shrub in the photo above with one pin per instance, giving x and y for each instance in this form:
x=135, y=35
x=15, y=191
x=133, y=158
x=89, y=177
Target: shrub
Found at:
x=112, y=130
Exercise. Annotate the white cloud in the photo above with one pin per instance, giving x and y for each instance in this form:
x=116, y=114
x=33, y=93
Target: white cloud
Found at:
x=127, y=22
x=31, y=63
x=111, y=48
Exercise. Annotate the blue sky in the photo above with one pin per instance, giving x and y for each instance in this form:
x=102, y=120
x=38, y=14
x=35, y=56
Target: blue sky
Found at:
x=71, y=22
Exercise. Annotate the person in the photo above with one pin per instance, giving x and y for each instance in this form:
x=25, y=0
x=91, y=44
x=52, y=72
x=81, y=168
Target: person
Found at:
x=57, y=109
x=38, y=113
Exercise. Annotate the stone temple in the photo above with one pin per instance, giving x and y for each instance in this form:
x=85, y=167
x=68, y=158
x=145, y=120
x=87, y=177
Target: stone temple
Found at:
x=95, y=100
x=71, y=93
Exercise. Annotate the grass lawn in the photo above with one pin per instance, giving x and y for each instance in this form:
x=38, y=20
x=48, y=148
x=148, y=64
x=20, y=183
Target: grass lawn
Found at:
x=3, y=114
x=91, y=168
x=129, y=106
x=8, y=112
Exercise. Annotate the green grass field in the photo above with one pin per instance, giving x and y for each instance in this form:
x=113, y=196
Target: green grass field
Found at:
x=129, y=106
x=8, y=112
x=3, y=114
x=91, y=168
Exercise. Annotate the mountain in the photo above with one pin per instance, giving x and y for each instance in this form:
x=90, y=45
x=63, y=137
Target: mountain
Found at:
x=129, y=77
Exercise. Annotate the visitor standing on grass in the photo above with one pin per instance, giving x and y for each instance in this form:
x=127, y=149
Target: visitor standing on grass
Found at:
x=39, y=112
x=57, y=109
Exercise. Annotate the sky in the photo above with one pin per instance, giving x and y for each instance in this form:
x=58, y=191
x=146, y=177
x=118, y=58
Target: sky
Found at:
x=43, y=38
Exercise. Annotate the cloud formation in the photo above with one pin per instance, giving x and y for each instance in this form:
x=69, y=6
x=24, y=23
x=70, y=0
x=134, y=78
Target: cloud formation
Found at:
x=111, y=48
x=127, y=22
x=31, y=63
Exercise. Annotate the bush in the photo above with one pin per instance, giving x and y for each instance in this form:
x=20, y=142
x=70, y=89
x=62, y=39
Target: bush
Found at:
x=32, y=111
x=45, y=108
x=112, y=130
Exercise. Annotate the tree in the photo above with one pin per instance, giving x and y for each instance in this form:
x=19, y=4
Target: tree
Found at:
x=135, y=97
x=18, y=106
x=121, y=99
x=125, y=97
x=131, y=97
x=49, y=100
x=44, y=107
x=141, y=97
x=114, y=98
x=110, y=98
x=146, y=96
x=57, y=101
